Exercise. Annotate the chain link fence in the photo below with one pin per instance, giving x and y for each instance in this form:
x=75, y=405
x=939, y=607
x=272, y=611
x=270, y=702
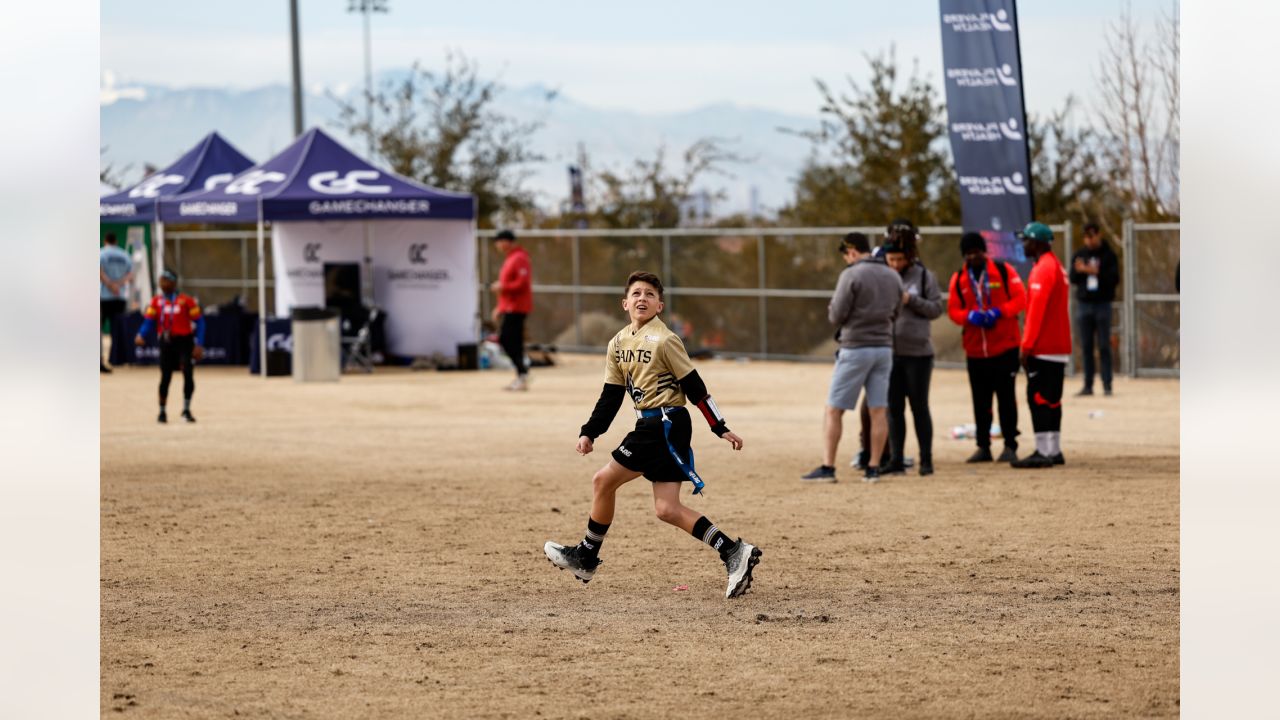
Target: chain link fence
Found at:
x=746, y=292
x=1152, y=306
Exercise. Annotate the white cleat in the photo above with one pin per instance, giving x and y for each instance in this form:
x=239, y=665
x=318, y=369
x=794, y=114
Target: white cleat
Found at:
x=739, y=565
x=568, y=558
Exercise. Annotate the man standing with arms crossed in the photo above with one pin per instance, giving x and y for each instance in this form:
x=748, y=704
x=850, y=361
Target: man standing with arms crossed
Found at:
x=867, y=299
x=514, y=288
x=1046, y=345
x=115, y=272
x=1095, y=271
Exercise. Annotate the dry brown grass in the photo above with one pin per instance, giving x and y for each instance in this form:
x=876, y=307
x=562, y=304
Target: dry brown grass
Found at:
x=373, y=549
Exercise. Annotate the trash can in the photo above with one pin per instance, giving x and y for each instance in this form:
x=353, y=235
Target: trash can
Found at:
x=317, y=345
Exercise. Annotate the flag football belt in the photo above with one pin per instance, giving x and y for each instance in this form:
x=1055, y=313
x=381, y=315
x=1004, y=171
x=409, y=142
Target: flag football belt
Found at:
x=685, y=467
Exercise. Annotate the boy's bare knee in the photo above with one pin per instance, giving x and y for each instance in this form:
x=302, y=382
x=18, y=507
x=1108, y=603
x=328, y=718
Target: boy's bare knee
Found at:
x=667, y=512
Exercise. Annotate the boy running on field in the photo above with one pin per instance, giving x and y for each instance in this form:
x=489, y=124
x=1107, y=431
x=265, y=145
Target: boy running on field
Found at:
x=648, y=362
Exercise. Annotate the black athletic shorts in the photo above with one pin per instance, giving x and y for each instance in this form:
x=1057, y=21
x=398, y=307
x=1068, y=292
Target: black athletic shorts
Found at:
x=644, y=449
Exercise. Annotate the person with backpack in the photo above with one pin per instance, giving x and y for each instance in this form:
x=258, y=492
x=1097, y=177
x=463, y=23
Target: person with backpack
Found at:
x=985, y=297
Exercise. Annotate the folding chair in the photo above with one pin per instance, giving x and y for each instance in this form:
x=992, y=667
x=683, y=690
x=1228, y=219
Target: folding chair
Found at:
x=357, y=348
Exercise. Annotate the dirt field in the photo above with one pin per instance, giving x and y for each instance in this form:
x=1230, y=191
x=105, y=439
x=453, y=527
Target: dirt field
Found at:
x=372, y=549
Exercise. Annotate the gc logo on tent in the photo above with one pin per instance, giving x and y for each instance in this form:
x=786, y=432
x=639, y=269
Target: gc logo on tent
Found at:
x=330, y=184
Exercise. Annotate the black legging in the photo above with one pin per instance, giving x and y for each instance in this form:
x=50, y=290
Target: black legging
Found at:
x=995, y=375
x=175, y=354
x=909, y=381
x=511, y=337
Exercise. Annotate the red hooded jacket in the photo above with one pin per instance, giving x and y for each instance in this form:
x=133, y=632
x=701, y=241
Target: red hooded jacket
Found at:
x=1010, y=300
x=516, y=281
x=1048, y=329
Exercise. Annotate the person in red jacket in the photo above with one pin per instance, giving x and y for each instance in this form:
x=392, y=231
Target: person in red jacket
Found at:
x=514, y=288
x=1046, y=345
x=179, y=328
x=984, y=298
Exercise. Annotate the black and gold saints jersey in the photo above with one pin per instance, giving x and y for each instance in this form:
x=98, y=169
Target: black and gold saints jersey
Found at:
x=650, y=362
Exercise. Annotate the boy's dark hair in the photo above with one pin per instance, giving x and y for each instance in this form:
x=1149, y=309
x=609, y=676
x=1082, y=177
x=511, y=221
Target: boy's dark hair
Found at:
x=110, y=238
x=505, y=235
x=1091, y=228
x=856, y=241
x=642, y=276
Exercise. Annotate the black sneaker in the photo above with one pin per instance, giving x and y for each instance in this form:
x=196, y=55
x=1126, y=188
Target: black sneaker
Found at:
x=893, y=467
x=1009, y=455
x=1058, y=459
x=872, y=475
x=186, y=415
x=820, y=474
x=926, y=467
x=1085, y=392
x=860, y=460
x=163, y=417
x=982, y=455
x=1034, y=460
x=102, y=368
x=1106, y=391
x=573, y=560
x=739, y=565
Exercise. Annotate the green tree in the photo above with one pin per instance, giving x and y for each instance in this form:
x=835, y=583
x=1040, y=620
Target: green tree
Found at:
x=652, y=193
x=443, y=130
x=1070, y=177
x=880, y=152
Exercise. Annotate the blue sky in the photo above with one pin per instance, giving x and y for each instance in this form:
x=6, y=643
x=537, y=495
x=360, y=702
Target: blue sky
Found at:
x=668, y=56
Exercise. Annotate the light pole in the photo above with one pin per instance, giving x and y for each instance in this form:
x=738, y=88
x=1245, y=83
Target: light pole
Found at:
x=366, y=8
x=297, y=68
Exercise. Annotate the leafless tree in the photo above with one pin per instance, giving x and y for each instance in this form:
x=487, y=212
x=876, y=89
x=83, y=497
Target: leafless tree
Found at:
x=1138, y=115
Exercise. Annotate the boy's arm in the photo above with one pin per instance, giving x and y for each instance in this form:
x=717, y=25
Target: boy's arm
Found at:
x=610, y=396
x=605, y=410
x=678, y=362
x=696, y=391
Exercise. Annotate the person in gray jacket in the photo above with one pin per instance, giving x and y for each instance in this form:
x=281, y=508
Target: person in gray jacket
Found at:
x=867, y=299
x=922, y=303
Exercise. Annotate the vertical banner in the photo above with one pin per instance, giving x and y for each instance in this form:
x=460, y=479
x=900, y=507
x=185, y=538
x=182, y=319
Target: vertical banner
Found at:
x=299, y=251
x=986, y=119
x=424, y=277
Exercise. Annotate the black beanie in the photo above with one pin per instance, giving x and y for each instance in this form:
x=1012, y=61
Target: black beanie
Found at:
x=972, y=241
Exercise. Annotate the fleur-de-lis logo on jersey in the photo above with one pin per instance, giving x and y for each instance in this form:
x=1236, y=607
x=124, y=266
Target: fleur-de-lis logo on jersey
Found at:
x=637, y=394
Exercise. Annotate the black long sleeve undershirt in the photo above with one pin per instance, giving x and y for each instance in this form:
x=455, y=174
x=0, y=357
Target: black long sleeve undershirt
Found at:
x=611, y=397
x=696, y=392
x=605, y=410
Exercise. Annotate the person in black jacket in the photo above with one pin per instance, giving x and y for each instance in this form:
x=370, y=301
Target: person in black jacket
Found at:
x=1095, y=271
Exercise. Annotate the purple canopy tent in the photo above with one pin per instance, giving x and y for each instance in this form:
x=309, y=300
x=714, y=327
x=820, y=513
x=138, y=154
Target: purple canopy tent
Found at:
x=315, y=178
x=211, y=163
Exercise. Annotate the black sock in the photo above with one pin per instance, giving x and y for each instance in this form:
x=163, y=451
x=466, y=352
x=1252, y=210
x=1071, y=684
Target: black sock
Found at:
x=594, y=538
x=711, y=535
